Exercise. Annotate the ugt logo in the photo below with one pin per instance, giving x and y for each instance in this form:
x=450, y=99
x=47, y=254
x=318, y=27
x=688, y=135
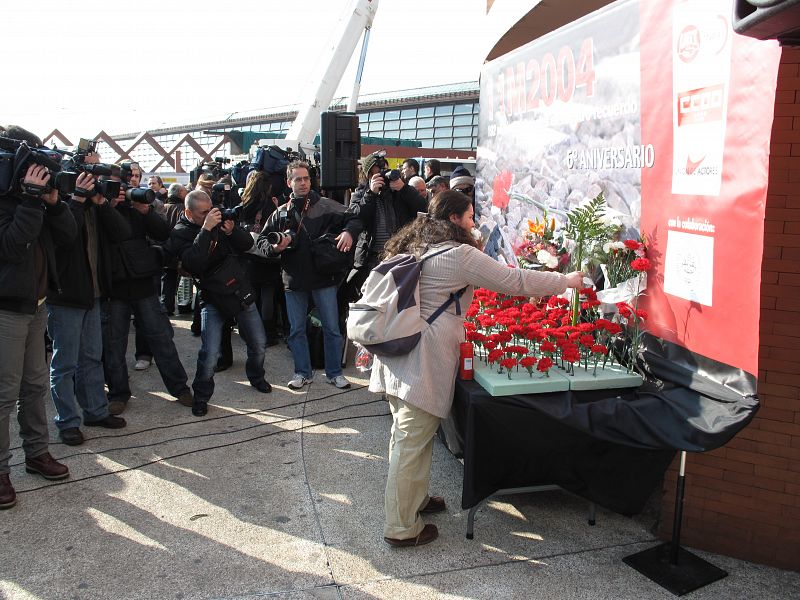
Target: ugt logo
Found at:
x=688, y=43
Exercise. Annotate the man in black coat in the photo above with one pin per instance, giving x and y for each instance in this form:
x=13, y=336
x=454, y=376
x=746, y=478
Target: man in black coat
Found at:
x=73, y=309
x=207, y=248
x=32, y=222
x=383, y=207
x=135, y=262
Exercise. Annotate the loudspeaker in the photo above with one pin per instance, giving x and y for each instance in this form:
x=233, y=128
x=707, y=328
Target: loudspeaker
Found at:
x=340, y=144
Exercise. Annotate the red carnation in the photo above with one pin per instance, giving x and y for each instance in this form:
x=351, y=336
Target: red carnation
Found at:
x=632, y=244
x=599, y=349
x=547, y=346
x=587, y=340
x=544, y=364
x=640, y=264
x=494, y=356
x=642, y=314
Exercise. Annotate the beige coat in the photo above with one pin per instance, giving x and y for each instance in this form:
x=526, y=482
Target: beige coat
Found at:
x=426, y=376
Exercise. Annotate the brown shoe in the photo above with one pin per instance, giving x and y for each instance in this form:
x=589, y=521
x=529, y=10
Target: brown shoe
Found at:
x=435, y=505
x=8, y=497
x=46, y=466
x=117, y=407
x=186, y=398
x=426, y=536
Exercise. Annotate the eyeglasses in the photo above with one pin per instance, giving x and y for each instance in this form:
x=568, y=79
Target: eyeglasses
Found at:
x=465, y=190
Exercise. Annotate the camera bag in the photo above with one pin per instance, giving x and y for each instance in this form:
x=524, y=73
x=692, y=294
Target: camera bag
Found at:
x=328, y=259
x=226, y=287
x=136, y=259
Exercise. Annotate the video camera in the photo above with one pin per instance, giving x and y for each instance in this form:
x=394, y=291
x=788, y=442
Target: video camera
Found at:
x=214, y=168
x=273, y=159
x=15, y=158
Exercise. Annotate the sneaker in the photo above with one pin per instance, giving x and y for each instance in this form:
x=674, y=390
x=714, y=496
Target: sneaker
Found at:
x=298, y=381
x=141, y=364
x=339, y=381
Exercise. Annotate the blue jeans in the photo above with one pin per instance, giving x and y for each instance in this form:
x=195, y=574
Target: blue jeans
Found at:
x=154, y=326
x=297, y=308
x=252, y=331
x=76, y=369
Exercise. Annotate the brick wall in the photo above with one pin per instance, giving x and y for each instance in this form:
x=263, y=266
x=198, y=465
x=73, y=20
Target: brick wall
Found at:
x=743, y=500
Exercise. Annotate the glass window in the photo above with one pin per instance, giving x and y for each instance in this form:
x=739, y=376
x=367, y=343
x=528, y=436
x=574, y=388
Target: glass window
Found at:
x=424, y=134
x=462, y=120
x=426, y=111
x=441, y=132
x=443, y=143
x=408, y=113
x=462, y=143
x=376, y=116
x=444, y=110
x=462, y=109
x=476, y=108
x=444, y=121
x=392, y=115
x=425, y=123
x=462, y=132
x=407, y=125
x=391, y=133
x=409, y=134
x=375, y=127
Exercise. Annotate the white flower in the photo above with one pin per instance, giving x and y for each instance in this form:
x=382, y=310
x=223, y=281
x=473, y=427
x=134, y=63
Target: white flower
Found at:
x=547, y=259
x=609, y=246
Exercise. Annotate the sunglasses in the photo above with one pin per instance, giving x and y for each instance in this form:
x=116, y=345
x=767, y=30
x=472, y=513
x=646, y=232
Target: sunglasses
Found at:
x=466, y=190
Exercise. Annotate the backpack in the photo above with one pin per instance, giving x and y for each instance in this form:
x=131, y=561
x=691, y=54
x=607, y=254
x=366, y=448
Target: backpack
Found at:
x=386, y=320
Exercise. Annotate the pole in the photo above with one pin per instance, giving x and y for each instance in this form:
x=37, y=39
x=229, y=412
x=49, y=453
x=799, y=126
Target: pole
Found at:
x=677, y=517
x=351, y=105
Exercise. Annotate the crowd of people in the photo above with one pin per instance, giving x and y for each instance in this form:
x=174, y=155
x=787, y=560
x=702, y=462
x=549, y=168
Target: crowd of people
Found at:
x=76, y=268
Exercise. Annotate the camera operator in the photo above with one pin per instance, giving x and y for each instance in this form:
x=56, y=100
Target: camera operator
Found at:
x=384, y=203
x=32, y=222
x=304, y=218
x=207, y=247
x=135, y=262
x=84, y=274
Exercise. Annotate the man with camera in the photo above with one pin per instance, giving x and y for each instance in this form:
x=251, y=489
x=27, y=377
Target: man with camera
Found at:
x=84, y=275
x=207, y=246
x=384, y=204
x=32, y=222
x=293, y=231
x=135, y=262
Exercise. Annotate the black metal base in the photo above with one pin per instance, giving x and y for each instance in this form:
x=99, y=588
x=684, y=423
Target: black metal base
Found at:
x=691, y=572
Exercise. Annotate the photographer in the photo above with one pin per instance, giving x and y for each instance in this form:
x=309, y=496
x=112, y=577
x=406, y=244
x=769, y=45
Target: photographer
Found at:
x=207, y=247
x=135, y=261
x=32, y=222
x=84, y=275
x=170, y=277
x=384, y=204
x=290, y=232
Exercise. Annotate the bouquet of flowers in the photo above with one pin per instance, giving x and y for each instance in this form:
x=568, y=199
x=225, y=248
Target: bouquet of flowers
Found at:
x=541, y=247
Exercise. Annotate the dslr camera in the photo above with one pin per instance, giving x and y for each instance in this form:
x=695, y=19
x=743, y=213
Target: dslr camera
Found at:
x=285, y=222
x=390, y=175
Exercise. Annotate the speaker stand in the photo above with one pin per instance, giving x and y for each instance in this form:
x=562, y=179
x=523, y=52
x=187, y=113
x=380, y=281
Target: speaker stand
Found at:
x=671, y=566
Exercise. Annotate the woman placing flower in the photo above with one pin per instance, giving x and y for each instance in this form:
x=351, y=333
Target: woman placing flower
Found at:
x=419, y=385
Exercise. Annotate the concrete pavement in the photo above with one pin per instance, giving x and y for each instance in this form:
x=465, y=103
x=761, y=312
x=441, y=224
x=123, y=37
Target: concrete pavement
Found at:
x=281, y=495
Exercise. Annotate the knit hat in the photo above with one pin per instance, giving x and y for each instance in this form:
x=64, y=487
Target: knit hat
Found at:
x=460, y=176
x=370, y=161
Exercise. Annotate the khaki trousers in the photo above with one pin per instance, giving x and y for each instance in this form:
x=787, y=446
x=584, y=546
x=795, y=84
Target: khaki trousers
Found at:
x=410, y=454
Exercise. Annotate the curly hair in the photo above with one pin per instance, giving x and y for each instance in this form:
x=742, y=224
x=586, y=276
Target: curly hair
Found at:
x=433, y=228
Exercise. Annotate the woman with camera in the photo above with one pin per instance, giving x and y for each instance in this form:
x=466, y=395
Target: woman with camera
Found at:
x=264, y=272
x=419, y=385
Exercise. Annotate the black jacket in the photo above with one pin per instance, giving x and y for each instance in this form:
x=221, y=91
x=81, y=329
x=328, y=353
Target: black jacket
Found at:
x=151, y=225
x=200, y=251
x=25, y=222
x=406, y=203
x=74, y=273
x=323, y=216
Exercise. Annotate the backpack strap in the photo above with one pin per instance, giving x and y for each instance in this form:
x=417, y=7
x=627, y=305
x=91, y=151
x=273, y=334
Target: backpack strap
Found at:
x=454, y=297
